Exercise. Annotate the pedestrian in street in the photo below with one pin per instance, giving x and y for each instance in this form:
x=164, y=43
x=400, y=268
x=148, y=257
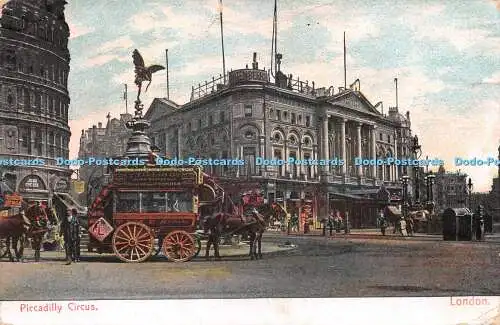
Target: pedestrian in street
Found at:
x=402, y=225
x=330, y=223
x=382, y=222
x=338, y=221
x=70, y=229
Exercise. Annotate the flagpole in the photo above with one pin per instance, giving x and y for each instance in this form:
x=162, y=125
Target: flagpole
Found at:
x=222, y=41
x=125, y=98
x=275, y=35
x=345, y=65
x=396, y=82
x=168, y=85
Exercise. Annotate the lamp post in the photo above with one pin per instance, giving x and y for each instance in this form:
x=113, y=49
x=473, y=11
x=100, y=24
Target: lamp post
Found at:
x=429, y=182
x=416, y=149
x=470, y=186
x=405, y=179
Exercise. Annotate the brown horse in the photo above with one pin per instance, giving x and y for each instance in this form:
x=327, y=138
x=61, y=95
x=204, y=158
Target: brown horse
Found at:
x=14, y=229
x=223, y=224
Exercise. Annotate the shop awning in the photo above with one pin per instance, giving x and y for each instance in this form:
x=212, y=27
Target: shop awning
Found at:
x=69, y=202
x=4, y=188
x=350, y=196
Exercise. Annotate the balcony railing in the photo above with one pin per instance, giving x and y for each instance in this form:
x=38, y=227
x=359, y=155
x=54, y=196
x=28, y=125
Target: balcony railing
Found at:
x=209, y=87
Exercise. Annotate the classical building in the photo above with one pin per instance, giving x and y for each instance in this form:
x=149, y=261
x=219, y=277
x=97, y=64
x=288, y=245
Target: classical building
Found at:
x=244, y=115
x=450, y=190
x=100, y=142
x=34, y=67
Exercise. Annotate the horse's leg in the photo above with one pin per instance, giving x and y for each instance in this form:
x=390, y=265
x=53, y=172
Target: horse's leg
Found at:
x=8, y=244
x=16, y=249
x=253, y=237
x=216, y=246
x=259, y=241
x=37, y=242
x=209, y=243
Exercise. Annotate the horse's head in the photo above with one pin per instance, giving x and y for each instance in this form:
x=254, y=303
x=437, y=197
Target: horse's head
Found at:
x=263, y=219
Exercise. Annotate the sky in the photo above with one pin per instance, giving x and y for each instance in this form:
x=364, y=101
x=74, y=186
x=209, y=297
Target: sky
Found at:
x=445, y=55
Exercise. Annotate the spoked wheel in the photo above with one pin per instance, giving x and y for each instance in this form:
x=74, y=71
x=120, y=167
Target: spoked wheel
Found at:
x=133, y=242
x=179, y=246
x=3, y=247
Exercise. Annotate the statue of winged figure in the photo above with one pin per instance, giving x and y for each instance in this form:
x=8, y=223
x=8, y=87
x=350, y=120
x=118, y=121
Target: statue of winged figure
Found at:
x=143, y=73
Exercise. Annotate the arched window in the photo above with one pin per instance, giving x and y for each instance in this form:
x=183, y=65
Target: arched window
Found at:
x=10, y=99
x=249, y=135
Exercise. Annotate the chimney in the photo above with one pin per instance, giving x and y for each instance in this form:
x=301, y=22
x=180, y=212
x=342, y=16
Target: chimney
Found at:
x=100, y=125
x=255, y=64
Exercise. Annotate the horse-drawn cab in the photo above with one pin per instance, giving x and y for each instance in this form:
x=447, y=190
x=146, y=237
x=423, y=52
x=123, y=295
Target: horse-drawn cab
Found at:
x=10, y=206
x=145, y=203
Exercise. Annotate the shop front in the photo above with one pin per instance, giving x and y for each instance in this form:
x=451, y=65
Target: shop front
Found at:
x=300, y=206
x=360, y=211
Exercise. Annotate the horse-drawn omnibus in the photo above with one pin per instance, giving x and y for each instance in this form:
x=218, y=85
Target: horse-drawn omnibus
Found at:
x=145, y=203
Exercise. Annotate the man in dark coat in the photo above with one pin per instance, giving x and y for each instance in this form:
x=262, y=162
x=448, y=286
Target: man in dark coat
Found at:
x=70, y=229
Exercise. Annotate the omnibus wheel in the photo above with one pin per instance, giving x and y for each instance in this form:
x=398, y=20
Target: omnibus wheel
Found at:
x=3, y=247
x=133, y=242
x=179, y=246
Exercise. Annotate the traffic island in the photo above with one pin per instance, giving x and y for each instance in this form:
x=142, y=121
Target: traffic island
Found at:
x=243, y=249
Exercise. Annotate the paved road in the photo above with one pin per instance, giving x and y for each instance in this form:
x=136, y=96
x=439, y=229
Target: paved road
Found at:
x=318, y=267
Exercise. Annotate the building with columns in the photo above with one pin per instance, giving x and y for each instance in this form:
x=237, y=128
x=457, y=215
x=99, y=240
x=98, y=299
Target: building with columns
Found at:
x=34, y=99
x=245, y=115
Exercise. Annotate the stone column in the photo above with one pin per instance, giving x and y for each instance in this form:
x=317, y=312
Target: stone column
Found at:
x=324, y=133
x=342, y=145
x=373, y=149
x=287, y=168
x=300, y=154
x=179, y=142
x=359, y=148
x=240, y=156
x=261, y=153
x=315, y=157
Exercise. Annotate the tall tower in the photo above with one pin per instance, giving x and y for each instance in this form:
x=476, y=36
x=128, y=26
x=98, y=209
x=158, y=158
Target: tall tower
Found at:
x=34, y=99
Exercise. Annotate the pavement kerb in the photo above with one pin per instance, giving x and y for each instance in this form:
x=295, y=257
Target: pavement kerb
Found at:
x=244, y=249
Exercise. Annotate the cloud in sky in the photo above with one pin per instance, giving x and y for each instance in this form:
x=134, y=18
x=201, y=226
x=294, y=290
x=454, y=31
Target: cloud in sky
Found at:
x=444, y=54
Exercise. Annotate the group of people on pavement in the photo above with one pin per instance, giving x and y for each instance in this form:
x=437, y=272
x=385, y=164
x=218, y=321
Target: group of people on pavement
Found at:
x=334, y=221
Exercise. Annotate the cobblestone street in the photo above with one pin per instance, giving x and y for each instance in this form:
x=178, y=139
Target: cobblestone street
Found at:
x=317, y=267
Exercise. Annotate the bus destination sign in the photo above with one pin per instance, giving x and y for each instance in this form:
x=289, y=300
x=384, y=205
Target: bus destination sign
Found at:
x=157, y=177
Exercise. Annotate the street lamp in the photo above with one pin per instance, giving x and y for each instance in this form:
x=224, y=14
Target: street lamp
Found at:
x=429, y=182
x=470, y=187
x=405, y=179
x=417, y=151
